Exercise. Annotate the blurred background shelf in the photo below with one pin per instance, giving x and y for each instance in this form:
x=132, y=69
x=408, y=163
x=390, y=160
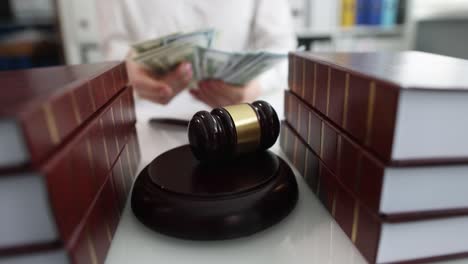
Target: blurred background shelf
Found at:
x=70, y=29
x=371, y=31
x=313, y=40
x=29, y=34
x=13, y=25
x=354, y=31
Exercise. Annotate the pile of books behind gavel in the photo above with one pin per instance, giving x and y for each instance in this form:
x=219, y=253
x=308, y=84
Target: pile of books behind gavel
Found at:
x=381, y=138
x=68, y=156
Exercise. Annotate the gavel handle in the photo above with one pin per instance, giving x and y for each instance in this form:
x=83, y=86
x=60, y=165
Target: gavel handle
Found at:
x=170, y=121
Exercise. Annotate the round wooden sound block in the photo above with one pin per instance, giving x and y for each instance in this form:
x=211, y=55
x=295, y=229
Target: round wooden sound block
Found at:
x=179, y=196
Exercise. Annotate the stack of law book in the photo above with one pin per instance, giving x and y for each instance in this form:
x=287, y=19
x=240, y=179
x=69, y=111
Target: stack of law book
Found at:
x=68, y=155
x=381, y=138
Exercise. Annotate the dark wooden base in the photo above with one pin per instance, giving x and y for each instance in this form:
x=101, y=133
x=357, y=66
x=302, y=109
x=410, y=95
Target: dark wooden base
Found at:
x=178, y=196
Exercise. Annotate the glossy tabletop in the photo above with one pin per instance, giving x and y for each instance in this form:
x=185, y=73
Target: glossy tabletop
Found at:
x=308, y=235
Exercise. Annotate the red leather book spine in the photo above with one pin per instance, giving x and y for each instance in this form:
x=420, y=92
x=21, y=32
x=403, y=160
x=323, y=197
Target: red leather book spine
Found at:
x=339, y=152
x=90, y=241
x=128, y=117
x=86, y=169
x=121, y=183
x=298, y=73
x=362, y=107
x=78, y=170
x=123, y=174
x=125, y=169
x=357, y=221
x=290, y=70
x=356, y=167
x=135, y=152
x=51, y=125
x=93, y=237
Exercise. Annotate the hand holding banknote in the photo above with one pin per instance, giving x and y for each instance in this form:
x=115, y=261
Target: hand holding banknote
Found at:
x=159, y=88
x=159, y=69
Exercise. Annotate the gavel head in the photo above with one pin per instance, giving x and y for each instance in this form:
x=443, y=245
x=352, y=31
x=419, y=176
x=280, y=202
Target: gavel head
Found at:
x=233, y=130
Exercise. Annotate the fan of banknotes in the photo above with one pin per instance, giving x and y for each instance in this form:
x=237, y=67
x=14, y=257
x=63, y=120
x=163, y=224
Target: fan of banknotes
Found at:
x=238, y=68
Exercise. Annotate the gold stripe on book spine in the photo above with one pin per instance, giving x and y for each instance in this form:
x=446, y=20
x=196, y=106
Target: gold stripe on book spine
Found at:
x=306, y=167
x=322, y=138
x=89, y=151
x=121, y=109
x=295, y=152
x=91, y=248
x=314, y=92
x=51, y=123
x=105, y=144
x=328, y=90
x=114, y=84
x=286, y=141
x=122, y=174
x=134, y=147
x=247, y=126
x=298, y=125
x=354, y=230
x=293, y=58
x=91, y=96
x=345, y=102
x=370, y=113
x=122, y=113
x=130, y=165
x=318, y=181
x=303, y=78
x=108, y=232
x=298, y=120
x=335, y=197
x=130, y=169
x=290, y=101
x=103, y=87
x=114, y=125
x=338, y=152
x=76, y=108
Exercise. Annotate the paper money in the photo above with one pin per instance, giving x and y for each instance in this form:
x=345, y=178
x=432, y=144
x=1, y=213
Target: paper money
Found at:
x=152, y=43
x=161, y=55
x=260, y=64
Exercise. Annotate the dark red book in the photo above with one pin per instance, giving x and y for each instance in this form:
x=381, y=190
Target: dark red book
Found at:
x=41, y=108
x=91, y=239
x=47, y=204
x=406, y=107
x=391, y=191
x=379, y=239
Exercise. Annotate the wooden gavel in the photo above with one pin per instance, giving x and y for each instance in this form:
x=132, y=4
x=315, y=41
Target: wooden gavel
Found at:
x=230, y=131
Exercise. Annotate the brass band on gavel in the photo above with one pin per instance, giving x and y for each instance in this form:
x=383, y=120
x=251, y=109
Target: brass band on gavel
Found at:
x=232, y=130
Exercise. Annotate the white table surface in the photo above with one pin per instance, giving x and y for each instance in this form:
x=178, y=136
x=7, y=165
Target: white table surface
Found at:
x=308, y=235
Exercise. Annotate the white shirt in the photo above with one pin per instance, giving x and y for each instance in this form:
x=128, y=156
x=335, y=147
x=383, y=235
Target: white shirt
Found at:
x=240, y=24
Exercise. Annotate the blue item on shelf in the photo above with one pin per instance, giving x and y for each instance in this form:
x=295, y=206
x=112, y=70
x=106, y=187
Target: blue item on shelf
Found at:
x=389, y=12
x=375, y=12
x=362, y=12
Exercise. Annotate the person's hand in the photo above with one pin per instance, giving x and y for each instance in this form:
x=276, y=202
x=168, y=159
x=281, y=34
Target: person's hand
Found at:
x=159, y=88
x=216, y=93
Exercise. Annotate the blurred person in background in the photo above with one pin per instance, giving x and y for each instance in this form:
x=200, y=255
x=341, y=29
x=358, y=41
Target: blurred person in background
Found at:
x=241, y=25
